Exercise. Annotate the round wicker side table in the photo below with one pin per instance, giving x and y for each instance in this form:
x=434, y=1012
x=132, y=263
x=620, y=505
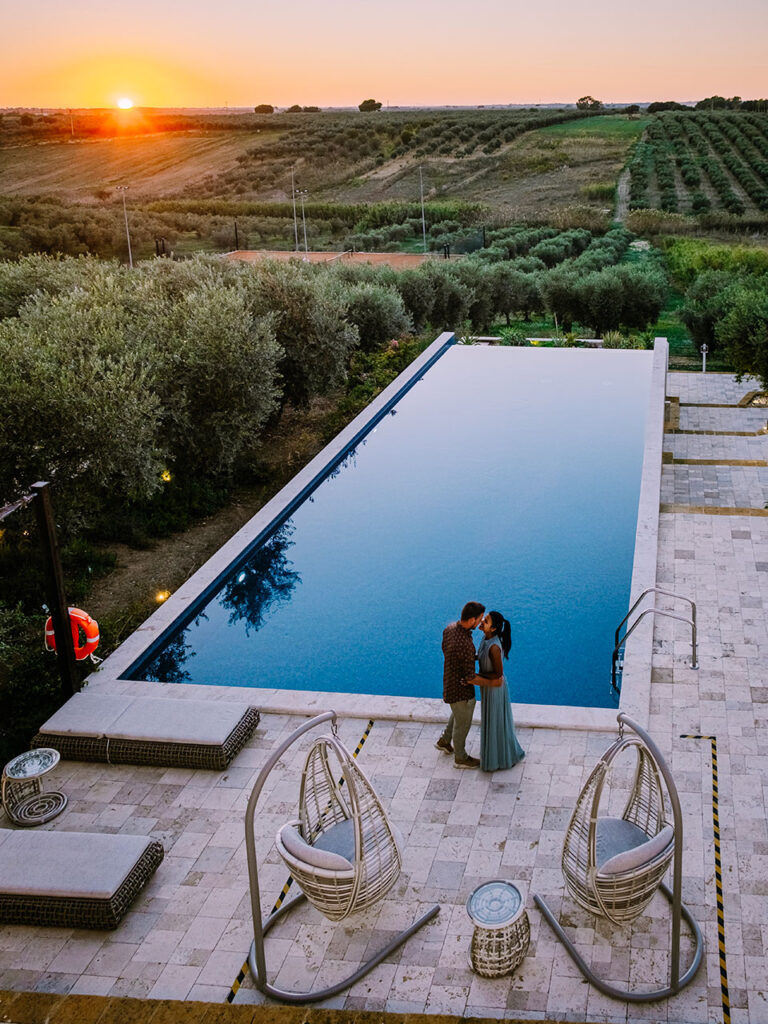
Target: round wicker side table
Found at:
x=502, y=929
x=25, y=801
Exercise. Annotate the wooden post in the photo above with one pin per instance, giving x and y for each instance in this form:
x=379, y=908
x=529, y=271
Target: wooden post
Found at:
x=57, y=601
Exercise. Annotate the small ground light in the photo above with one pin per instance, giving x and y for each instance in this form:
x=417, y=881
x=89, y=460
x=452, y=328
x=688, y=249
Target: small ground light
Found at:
x=162, y=595
x=166, y=475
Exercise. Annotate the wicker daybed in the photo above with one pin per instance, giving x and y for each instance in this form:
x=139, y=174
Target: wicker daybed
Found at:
x=172, y=733
x=72, y=879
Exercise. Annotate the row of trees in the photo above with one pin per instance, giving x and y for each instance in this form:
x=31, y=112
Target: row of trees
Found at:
x=331, y=145
x=694, y=162
x=58, y=226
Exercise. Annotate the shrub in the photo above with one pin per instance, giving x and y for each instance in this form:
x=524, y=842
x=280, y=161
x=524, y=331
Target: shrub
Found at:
x=418, y=296
x=452, y=298
x=514, y=291
x=311, y=326
x=378, y=313
x=743, y=330
x=78, y=407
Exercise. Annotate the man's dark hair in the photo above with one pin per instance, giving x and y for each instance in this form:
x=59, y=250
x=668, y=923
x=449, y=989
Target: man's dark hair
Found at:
x=471, y=610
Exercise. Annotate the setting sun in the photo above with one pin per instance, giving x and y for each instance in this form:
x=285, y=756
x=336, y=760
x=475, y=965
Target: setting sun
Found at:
x=125, y=103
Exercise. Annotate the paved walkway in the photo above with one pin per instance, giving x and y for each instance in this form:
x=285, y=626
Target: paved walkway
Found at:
x=188, y=934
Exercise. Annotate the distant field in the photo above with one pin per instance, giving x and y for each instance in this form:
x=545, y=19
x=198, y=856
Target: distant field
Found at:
x=159, y=165
x=610, y=126
x=703, y=163
x=344, y=158
x=546, y=166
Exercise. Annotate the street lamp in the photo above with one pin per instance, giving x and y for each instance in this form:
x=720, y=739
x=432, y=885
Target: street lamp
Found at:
x=124, y=189
x=704, y=349
x=295, y=225
x=423, y=221
x=302, y=193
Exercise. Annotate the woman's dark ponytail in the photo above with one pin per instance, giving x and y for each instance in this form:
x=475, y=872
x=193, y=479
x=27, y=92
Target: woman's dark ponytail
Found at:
x=502, y=630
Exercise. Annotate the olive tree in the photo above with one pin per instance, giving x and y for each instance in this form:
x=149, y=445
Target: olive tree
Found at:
x=743, y=329
x=78, y=408
x=311, y=326
x=377, y=312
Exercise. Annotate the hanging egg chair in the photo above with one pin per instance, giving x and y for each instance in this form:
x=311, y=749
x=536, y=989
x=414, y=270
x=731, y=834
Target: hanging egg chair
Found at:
x=342, y=852
x=613, y=866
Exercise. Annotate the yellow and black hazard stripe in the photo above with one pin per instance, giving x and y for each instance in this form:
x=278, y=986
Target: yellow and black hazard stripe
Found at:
x=286, y=888
x=718, y=878
x=237, y=982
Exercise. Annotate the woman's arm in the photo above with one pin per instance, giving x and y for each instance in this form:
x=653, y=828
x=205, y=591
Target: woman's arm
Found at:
x=494, y=677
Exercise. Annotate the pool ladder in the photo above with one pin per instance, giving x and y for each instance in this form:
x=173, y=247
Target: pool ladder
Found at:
x=617, y=660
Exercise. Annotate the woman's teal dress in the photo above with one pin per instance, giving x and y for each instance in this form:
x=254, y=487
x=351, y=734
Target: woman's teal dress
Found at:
x=498, y=744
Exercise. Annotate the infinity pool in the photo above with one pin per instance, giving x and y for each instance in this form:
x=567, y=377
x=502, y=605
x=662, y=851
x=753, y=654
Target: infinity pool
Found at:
x=505, y=475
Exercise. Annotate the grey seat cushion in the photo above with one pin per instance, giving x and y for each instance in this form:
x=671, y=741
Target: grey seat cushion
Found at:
x=87, y=714
x=149, y=719
x=622, y=846
x=331, y=851
x=82, y=865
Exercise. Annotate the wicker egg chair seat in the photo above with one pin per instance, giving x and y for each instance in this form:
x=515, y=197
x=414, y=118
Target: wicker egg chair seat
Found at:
x=613, y=866
x=343, y=852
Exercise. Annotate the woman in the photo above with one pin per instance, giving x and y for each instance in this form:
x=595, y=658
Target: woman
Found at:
x=498, y=744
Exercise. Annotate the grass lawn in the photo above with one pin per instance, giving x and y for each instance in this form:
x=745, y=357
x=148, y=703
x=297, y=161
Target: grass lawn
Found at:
x=617, y=126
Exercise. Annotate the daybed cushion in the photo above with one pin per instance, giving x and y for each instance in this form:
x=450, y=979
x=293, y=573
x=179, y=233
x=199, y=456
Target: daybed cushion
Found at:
x=87, y=714
x=93, y=865
x=149, y=730
x=152, y=719
x=321, y=855
x=72, y=879
x=638, y=854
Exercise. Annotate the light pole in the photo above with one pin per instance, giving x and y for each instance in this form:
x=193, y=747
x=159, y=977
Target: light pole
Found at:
x=295, y=225
x=124, y=189
x=423, y=221
x=704, y=349
x=301, y=193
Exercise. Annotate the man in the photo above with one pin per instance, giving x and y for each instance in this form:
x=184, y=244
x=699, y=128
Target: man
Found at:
x=459, y=679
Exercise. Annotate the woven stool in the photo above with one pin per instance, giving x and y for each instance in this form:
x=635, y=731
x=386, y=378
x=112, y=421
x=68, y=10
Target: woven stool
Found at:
x=502, y=929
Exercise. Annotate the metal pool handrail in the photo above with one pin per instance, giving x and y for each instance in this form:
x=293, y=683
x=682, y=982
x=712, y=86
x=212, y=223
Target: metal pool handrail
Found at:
x=653, y=611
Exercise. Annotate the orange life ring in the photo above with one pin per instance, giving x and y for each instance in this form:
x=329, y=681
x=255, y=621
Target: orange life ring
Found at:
x=78, y=621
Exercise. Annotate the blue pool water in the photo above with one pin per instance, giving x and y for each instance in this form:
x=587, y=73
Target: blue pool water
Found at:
x=505, y=475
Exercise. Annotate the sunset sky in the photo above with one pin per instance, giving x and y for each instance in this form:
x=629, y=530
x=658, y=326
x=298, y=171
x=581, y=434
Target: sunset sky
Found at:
x=403, y=52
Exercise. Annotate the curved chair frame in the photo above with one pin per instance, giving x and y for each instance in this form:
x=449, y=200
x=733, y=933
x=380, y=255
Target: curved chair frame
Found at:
x=257, y=956
x=324, y=803
x=622, y=897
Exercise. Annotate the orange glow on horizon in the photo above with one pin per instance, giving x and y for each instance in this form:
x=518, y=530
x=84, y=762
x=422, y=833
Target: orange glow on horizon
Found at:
x=120, y=81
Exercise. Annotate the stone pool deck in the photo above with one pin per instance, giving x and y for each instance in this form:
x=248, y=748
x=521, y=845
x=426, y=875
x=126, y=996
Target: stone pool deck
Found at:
x=188, y=934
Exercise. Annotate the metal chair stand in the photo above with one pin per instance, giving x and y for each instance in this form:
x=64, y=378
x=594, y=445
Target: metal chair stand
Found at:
x=256, y=955
x=677, y=981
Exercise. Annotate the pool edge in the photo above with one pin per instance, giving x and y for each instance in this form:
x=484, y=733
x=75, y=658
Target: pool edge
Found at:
x=635, y=697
